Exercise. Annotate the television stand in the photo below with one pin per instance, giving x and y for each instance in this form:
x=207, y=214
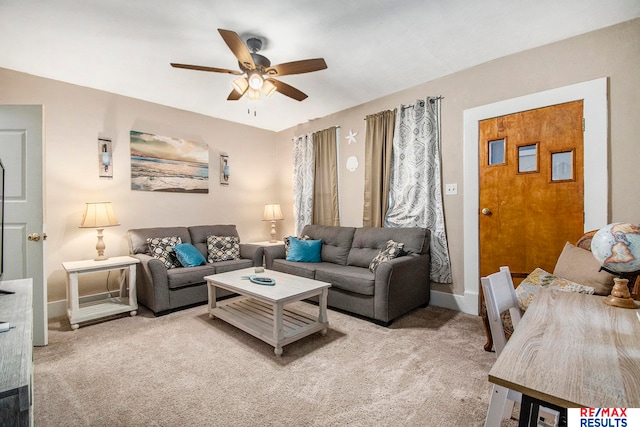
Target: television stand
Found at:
x=16, y=353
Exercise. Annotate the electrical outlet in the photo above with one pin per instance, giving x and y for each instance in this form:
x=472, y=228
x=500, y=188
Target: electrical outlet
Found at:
x=451, y=189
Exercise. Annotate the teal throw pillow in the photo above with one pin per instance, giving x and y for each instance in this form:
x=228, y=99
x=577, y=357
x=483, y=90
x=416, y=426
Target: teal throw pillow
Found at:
x=304, y=250
x=189, y=255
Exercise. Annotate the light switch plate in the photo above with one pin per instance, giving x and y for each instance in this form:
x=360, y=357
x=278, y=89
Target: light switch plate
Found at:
x=451, y=189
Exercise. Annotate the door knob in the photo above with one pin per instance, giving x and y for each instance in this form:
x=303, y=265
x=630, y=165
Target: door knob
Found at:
x=486, y=211
x=34, y=237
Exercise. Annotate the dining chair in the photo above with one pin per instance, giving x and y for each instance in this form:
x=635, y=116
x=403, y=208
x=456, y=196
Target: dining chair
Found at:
x=499, y=296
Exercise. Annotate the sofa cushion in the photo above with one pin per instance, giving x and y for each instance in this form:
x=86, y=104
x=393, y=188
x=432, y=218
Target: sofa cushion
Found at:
x=580, y=266
x=235, y=264
x=368, y=241
x=353, y=279
x=199, y=234
x=138, y=237
x=304, y=250
x=336, y=241
x=393, y=250
x=222, y=248
x=162, y=249
x=188, y=255
x=181, y=277
x=302, y=269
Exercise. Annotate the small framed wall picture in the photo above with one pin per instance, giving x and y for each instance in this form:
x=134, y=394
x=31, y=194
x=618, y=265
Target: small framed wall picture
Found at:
x=105, y=158
x=225, y=169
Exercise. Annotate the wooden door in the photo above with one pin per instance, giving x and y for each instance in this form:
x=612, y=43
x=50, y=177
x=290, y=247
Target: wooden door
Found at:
x=21, y=141
x=531, y=187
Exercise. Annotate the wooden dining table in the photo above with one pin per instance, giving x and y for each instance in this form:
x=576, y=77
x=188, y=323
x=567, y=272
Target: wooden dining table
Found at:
x=572, y=350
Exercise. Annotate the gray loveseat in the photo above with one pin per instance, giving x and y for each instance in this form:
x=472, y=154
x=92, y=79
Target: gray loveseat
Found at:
x=398, y=285
x=163, y=290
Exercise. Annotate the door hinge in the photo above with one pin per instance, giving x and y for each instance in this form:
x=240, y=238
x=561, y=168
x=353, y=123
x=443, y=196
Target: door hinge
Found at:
x=583, y=124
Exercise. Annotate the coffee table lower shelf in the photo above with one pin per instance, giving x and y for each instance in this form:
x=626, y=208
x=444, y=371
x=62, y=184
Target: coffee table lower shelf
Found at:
x=257, y=318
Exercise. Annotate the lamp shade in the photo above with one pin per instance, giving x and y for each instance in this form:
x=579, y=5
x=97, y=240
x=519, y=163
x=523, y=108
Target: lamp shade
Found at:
x=98, y=215
x=253, y=94
x=240, y=85
x=268, y=88
x=272, y=212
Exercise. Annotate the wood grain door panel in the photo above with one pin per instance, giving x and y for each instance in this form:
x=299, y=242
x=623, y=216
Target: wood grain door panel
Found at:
x=532, y=216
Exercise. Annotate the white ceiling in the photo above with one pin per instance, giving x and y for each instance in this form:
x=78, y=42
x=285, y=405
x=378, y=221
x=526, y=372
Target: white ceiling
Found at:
x=372, y=47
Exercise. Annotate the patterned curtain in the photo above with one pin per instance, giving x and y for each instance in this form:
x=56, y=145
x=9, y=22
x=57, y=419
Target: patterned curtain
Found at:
x=303, y=168
x=415, y=196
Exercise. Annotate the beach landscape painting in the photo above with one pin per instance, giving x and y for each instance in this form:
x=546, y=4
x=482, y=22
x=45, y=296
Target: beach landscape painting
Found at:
x=161, y=163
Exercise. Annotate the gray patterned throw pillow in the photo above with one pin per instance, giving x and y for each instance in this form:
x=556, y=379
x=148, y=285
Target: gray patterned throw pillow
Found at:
x=222, y=248
x=162, y=248
x=287, y=243
x=393, y=250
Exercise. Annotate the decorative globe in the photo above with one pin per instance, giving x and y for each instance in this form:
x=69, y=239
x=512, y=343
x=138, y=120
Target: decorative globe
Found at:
x=617, y=247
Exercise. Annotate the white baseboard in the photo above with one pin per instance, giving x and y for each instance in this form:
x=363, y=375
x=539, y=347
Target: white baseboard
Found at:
x=466, y=304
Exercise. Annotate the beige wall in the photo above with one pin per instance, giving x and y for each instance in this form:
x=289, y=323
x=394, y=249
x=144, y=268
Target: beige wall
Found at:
x=75, y=117
x=261, y=160
x=612, y=52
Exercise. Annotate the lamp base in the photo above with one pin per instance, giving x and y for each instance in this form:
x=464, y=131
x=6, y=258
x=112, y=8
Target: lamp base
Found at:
x=273, y=232
x=100, y=247
x=620, y=296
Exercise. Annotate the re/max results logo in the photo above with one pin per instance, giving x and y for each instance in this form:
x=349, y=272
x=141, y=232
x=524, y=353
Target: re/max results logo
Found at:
x=603, y=417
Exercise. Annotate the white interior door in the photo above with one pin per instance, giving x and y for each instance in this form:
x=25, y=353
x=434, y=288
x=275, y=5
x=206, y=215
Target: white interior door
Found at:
x=21, y=148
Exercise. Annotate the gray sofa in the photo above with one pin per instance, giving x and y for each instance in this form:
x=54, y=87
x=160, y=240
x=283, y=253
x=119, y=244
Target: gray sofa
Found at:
x=163, y=290
x=398, y=286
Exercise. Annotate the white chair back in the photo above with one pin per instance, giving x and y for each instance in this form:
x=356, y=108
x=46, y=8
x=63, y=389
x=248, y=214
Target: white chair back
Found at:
x=499, y=296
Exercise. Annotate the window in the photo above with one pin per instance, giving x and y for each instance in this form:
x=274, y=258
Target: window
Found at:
x=528, y=158
x=496, y=152
x=562, y=166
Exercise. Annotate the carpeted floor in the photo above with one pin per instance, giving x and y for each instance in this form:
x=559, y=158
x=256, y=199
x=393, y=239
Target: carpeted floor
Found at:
x=427, y=369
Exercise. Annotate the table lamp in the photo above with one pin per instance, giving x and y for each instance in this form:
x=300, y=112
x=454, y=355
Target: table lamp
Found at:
x=99, y=215
x=273, y=213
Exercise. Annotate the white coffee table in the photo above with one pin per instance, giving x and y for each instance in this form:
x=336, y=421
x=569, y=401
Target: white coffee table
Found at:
x=260, y=309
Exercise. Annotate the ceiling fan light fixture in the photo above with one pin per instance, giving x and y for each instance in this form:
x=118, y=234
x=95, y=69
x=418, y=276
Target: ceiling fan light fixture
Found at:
x=256, y=72
x=240, y=85
x=268, y=88
x=253, y=95
x=256, y=81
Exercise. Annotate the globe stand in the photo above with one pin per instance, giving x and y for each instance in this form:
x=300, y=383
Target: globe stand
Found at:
x=620, y=296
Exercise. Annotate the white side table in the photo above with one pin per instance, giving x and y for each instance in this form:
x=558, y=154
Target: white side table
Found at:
x=104, y=307
x=267, y=243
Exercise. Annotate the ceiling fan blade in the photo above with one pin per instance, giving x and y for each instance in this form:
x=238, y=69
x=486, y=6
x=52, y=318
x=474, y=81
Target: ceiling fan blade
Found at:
x=201, y=68
x=297, y=67
x=234, y=95
x=238, y=48
x=287, y=90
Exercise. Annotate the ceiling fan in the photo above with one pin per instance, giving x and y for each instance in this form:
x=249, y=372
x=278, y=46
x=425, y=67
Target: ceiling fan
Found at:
x=256, y=70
